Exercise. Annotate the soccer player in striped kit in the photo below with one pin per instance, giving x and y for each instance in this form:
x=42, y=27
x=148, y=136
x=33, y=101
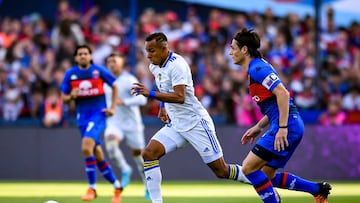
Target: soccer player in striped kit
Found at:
x=84, y=83
x=126, y=124
x=187, y=121
x=276, y=146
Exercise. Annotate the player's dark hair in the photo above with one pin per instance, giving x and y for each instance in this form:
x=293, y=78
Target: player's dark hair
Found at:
x=158, y=36
x=251, y=40
x=115, y=54
x=84, y=46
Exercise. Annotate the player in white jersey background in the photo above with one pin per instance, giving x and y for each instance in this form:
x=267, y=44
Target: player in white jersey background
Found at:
x=126, y=124
x=187, y=121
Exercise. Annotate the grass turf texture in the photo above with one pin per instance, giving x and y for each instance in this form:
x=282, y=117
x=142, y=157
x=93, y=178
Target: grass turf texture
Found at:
x=173, y=192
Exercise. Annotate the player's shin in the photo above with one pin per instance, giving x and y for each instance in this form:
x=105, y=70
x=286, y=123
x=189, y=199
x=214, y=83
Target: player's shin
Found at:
x=153, y=179
x=116, y=155
x=292, y=182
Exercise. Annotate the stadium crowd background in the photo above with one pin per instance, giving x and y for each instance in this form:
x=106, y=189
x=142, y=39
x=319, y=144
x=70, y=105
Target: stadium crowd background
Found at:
x=35, y=52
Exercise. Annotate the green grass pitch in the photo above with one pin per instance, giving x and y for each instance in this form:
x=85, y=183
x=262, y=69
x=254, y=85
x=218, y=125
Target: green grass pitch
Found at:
x=173, y=192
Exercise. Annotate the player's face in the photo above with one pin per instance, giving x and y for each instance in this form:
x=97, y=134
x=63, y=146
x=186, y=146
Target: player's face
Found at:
x=155, y=52
x=83, y=57
x=115, y=64
x=235, y=52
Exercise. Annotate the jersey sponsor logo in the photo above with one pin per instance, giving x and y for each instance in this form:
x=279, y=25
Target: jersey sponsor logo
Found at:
x=89, y=88
x=270, y=80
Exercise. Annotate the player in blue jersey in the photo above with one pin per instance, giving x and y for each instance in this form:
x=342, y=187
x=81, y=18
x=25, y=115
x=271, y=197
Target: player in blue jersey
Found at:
x=275, y=147
x=84, y=84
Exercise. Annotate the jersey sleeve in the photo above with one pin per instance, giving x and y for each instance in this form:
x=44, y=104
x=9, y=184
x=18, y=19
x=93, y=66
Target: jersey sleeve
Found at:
x=179, y=73
x=108, y=77
x=65, y=85
x=265, y=76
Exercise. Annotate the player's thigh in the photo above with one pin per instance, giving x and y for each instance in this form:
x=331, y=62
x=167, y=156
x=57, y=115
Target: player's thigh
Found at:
x=93, y=130
x=113, y=129
x=169, y=138
x=135, y=139
x=204, y=140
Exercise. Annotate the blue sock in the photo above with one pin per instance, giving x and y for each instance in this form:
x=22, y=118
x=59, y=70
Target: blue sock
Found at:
x=263, y=186
x=106, y=171
x=292, y=182
x=90, y=168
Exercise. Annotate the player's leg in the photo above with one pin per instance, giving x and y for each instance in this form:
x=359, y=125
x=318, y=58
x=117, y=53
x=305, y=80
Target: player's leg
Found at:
x=252, y=165
x=87, y=148
x=136, y=141
x=113, y=136
x=164, y=141
x=204, y=140
x=108, y=174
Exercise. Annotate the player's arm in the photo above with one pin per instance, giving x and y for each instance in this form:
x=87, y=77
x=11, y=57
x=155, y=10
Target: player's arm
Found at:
x=282, y=99
x=68, y=93
x=178, y=96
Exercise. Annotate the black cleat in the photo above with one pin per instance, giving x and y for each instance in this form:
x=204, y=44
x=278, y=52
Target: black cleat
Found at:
x=324, y=191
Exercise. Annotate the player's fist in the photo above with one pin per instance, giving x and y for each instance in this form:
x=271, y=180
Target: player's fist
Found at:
x=74, y=93
x=109, y=111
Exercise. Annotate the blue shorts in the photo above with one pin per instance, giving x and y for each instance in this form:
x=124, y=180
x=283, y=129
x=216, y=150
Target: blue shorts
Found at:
x=264, y=147
x=93, y=130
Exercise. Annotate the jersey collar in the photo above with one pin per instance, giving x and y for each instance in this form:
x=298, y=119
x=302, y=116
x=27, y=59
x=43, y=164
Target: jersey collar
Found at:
x=167, y=59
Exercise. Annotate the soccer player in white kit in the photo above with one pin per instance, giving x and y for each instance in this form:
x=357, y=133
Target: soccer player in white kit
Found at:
x=187, y=121
x=126, y=124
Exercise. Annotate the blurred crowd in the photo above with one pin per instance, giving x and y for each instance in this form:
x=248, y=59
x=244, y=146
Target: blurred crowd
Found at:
x=35, y=53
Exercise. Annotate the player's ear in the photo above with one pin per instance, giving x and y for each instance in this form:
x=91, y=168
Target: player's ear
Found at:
x=244, y=49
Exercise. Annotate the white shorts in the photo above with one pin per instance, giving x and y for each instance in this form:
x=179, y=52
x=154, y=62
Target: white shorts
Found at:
x=202, y=137
x=135, y=139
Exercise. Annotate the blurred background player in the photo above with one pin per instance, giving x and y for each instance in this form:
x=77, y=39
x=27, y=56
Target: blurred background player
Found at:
x=126, y=124
x=276, y=146
x=84, y=84
x=187, y=121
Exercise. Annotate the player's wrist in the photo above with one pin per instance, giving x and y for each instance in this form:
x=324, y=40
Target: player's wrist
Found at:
x=152, y=94
x=162, y=104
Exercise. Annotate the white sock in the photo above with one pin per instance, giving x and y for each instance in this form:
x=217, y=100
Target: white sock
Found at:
x=116, y=155
x=117, y=184
x=153, y=180
x=241, y=176
x=235, y=173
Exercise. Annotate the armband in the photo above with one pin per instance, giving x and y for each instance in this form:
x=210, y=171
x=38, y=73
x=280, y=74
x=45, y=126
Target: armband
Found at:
x=284, y=126
x=162, y=104
x=152, y=94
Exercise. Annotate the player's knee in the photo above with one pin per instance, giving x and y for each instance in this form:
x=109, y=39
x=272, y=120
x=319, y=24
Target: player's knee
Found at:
x=136, y=152
x=86, y=151
x=150, y=154
x=111, y=147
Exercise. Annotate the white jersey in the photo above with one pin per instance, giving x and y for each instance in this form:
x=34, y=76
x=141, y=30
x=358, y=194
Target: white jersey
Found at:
x=176, y=71
x=126, y=116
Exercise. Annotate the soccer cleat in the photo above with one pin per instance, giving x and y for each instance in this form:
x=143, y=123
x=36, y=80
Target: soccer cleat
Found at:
x=147, y=194
x=117, y=196
x=277, y=195
x=125, y=178
x=324, y=191
x=90, y=195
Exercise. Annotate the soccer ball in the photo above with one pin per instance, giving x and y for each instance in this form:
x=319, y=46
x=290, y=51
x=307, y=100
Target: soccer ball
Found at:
x=50, y=201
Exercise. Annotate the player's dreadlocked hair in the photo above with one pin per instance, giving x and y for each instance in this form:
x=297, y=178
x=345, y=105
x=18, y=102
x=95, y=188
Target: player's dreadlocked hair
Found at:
x=251, y=40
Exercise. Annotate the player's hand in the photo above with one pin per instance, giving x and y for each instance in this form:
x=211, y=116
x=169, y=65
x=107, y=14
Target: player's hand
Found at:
x=281, y=141
x=139, y=88
x=109, y=111
x=74, y=93
x=251, y=134
x=163, y=116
